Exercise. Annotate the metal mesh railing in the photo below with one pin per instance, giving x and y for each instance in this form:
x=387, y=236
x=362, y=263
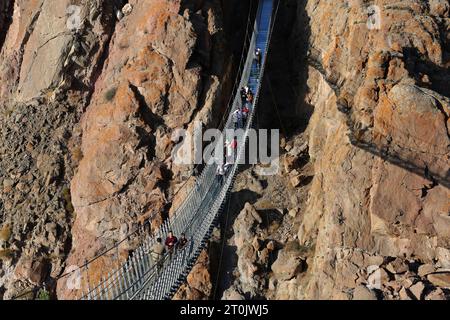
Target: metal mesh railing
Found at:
x=140, y=277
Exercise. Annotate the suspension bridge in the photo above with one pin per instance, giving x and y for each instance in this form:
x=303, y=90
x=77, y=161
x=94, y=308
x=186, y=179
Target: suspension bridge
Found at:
x=140, y=277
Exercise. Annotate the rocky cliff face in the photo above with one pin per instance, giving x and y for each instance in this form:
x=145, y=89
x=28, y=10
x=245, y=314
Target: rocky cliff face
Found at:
x=91, y=93
x=44, y=90
x=379, y=141
x=375, y=79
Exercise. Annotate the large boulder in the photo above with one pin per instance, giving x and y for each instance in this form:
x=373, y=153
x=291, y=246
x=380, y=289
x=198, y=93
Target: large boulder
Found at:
x=33, y=269
x=289, y=263
x=361, y=292
x=440, y=279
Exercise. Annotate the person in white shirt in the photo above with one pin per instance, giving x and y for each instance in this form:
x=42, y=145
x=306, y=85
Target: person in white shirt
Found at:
x=220, y=173
x=237, y=119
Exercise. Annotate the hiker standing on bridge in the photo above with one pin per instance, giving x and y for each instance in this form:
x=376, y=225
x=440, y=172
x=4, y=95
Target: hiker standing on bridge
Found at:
x=245, y=112
x=182, y=242
x=220, y=173
x=171, y=241
x=157, y=253
x=250, y=96
x=232, y=150
x=243, y=96
x=258, y=58
x=237, y=119
x=244, y=92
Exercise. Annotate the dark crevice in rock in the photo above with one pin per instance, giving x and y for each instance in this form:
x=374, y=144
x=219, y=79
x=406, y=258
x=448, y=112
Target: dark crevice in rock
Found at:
x=108, y=20
x=434, y=183
x=446, y=116
x=147, y=139
x=282, y=102
x=6, y=14
x=419, y=66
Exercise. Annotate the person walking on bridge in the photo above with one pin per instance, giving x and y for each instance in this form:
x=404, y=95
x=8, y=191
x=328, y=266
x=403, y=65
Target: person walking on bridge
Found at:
x=157, y=252
x=171, y=241
x=250, y=96
x=245, y=112
x=243, y=95
x=182, y=242
x=220, y=173
x=258, y=58
x=234, y=145
x=237, y=119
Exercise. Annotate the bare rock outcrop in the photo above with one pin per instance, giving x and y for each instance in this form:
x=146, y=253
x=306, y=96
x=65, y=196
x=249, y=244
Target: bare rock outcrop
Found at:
x=198, y=283
x=44, y=89
x=153, y=83
x=379, y=142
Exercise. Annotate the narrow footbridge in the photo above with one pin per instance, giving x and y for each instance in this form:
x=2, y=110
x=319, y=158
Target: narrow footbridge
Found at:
x=139, y=278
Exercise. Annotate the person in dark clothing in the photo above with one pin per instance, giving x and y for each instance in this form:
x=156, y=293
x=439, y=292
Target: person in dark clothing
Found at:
x=258, y=58
x=197, y=171
x=243, y=96
x=182, y=242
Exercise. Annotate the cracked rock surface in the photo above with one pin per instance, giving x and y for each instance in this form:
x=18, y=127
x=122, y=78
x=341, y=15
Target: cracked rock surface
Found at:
x=89, y=100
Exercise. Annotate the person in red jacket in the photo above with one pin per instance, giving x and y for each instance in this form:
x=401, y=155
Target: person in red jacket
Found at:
x=245, y=112
x=233, y=146
x=170, y=243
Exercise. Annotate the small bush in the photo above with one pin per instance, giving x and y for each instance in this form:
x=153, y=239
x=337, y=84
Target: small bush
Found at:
x=7, y=112
x=43, y=295
x=6, y=254
x=68, y=200
x=5, y=233
x=110, y=94
x=77, y=154
x=265, y=205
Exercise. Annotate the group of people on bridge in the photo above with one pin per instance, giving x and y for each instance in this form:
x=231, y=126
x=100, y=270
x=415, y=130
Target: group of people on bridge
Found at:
x=239, y=117
x=171, y=244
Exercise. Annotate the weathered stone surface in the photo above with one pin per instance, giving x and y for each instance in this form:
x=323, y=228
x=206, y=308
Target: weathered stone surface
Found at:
x=43, y=92
x=34, y=270
x=381, y=162
x=436, y=294
x=397, y=266
x=152, y=84
x=440, y=279
x=425, y=270
x=417, y=290
x=377, y=278
x=404, y=295
x=363, y=293
x=245, y=229
x=289, y=262
x=198, y=286
x=232, y=294
x=86, y=123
